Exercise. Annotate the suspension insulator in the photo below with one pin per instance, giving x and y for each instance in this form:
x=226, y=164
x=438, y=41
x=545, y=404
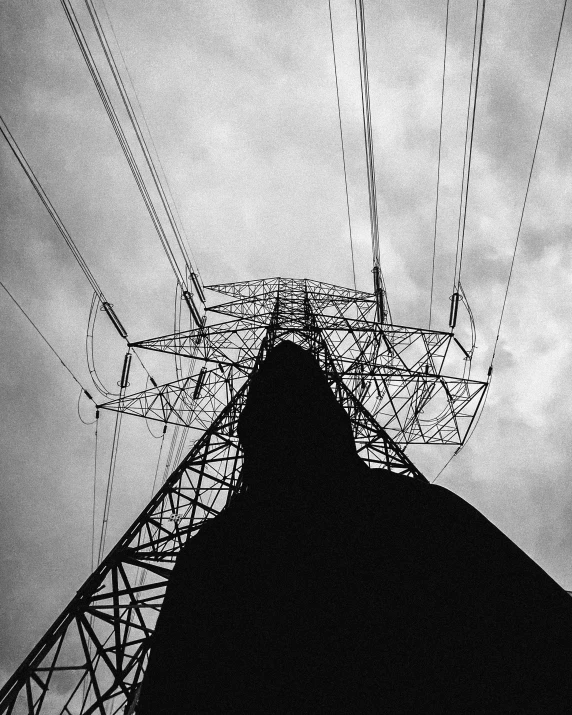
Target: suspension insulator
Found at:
x=198, y=286
x=199, y=385
x=125, y=372
x=192, y=307
x=454, y=309
x=378, y=290
x=114, y=319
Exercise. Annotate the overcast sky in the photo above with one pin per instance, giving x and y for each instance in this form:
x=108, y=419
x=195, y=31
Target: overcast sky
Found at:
x=240, y=99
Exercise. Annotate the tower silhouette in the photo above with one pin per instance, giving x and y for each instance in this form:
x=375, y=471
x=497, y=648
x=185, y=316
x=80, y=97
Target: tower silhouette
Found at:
x=388, y=378
x=393, y=382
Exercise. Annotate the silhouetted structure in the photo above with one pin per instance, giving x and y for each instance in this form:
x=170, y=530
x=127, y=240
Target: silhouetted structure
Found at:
x=394, y=382
x=327, y=586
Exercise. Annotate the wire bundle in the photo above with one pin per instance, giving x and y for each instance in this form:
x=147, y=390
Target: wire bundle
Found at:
x=182, y=275
x=379, y=284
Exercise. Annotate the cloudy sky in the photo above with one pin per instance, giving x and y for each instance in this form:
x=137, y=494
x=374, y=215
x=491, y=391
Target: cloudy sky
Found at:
x=240, y=99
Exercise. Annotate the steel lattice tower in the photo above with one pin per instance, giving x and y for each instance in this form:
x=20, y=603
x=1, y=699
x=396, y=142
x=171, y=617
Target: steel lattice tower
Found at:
x=387, y=377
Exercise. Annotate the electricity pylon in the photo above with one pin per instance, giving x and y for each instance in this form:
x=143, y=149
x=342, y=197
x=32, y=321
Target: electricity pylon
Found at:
x=388, y=378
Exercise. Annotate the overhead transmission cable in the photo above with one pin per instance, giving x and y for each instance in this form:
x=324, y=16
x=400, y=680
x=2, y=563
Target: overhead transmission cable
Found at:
x=104, y=96
x=137, y=128
x=528, y=186
x=94, y=493
x=342, y=143
x=98, y=293
x=490, y=370
x=123, y=385
x=439, y=164
x=13, y=144
x=110, y=481
x=150, y=135
x=128, y=153
x=383, y=311
x=51, y=347
x=99, y=298
x=159, y=459
x=115, y=434
x=467, y=158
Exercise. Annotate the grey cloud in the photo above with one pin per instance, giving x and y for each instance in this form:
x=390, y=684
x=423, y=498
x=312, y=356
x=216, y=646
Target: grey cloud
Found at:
x=241, y=100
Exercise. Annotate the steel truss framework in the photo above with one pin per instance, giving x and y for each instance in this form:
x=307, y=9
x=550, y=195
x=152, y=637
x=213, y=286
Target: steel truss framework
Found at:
x=387, y=377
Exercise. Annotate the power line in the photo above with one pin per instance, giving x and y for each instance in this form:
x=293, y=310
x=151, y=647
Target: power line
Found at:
x=132, y=83
x=159, y=459
x=144, y=367
x=468, y=153
x=128, y=153
x=110, y=480
x=490, y=371
x=39, y=189
x=136, y=127
x=342, y=143
x=46, y=341
x=113, y=118
x=528, y=184
x=123, y=385
x=13, y=144
x=368, y=134
x=439, y=164
x=94, y=493
x=379, y=284
x=99, y=297
x=482, y=23
x=463, y=175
